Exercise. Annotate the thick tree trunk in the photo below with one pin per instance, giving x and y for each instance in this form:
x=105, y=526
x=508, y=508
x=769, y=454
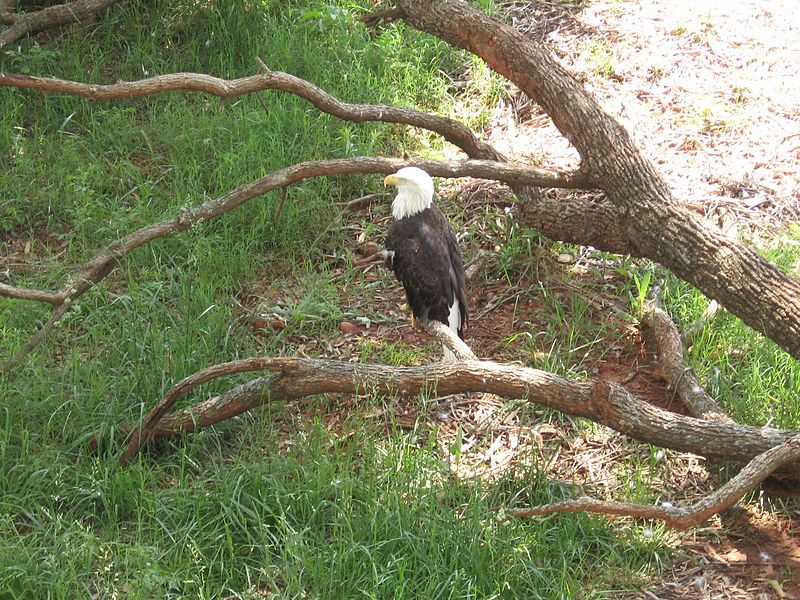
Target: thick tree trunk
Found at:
x=659, y=227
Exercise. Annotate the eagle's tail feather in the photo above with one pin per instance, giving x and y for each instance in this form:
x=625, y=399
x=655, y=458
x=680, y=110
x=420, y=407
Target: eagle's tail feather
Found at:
x=454, y=322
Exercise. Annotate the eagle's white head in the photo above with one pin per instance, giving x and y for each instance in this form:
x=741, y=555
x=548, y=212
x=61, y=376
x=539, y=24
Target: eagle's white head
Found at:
x=414, y=191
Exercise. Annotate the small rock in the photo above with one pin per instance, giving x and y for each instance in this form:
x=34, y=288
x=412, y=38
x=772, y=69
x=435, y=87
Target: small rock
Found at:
x=564, y=258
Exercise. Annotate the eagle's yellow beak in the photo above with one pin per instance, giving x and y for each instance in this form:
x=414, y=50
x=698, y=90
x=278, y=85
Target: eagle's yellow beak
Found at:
x=391, y=180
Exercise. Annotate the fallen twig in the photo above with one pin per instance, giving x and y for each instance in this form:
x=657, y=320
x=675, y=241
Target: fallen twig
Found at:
x=683, y=517
x=363, y=201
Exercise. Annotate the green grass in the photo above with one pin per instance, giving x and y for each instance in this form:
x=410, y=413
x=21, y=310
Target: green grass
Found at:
x=749, y=375
x=271, y=502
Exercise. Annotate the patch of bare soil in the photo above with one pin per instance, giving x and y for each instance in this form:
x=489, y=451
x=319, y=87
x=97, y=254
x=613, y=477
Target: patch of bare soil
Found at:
x=708, y=89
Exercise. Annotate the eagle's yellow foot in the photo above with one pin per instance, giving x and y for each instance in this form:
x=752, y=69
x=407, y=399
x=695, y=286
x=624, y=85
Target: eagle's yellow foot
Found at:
x=415, y=322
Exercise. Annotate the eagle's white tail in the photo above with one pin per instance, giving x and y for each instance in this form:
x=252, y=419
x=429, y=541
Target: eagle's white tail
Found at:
x=453, y=321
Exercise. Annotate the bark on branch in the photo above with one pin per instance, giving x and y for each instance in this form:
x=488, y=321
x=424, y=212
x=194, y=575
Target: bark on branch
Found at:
x=684, y=517
x=674, y=369
x=53, y=16
x=445, y=335
x=101, y=264
x=662, y=229
x=453, y=131
x=150, y=423
x=572, y=220
x=600, y=401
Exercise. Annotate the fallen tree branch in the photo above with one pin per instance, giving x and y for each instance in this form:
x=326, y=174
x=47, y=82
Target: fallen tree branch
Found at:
x=146, y=430
x=570, y=220
x=575, y=221
x=755, y=472
x=453, y=131
x=440, y=331
x=379, y=18
x=52, y=16
x=181, y=388
x=600, y=401
x=444, y=335
x=101, y=264
x=674, y=369
x=10, y=291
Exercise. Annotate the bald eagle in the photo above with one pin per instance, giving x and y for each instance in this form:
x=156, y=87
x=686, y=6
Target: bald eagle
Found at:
x=422, y=250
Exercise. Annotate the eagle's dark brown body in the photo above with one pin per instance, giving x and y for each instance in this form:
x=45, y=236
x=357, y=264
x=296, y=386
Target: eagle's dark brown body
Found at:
x=425, y=257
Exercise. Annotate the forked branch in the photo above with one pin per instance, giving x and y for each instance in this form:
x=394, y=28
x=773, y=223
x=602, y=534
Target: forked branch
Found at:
x=600, y=401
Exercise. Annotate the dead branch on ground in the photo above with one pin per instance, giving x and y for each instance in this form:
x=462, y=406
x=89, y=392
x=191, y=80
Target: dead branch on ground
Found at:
x=150, y=423
x=673, y=367
x=443, y=333
x=453, y=131
x=573, y=220
x=683, y=517
x=53, y=16
x=605, y=403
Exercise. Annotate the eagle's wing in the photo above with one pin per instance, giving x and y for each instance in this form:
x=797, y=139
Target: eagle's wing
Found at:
x=422, y=264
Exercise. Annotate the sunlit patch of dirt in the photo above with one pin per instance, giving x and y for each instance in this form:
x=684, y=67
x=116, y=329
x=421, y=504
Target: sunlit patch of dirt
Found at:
x=708, y=90
x=746, y=553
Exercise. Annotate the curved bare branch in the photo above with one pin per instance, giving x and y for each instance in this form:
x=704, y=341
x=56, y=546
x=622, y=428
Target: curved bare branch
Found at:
x=453, y=131
x=600, y=401
x=684, y=517
x=445, y=335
